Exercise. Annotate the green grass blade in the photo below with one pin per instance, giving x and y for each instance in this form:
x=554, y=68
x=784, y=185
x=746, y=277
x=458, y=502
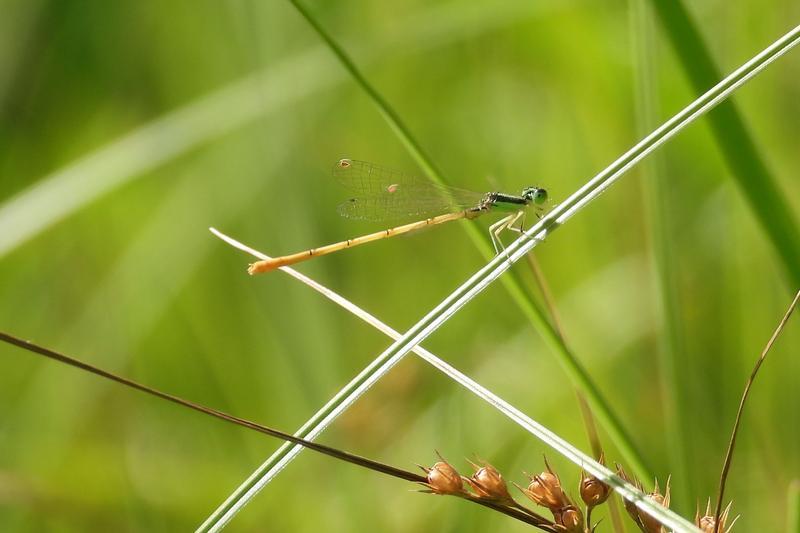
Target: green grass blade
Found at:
x=658, y=202
x=758, y=186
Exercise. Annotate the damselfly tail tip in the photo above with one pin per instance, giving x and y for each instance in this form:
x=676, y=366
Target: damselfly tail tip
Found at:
x=261, y=266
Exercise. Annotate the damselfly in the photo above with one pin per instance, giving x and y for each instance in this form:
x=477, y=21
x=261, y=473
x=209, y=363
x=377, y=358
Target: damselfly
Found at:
x=386, y=194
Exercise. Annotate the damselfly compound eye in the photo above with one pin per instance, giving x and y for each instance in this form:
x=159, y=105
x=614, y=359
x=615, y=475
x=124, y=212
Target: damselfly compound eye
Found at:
x=536, y=195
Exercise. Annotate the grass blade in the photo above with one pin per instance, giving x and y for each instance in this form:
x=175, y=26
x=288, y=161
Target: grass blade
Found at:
x=758, y=186
x=748, y=385
x=658, y=201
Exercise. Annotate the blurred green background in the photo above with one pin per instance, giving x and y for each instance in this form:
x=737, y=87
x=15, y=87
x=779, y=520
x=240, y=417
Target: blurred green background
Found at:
x=128, y=128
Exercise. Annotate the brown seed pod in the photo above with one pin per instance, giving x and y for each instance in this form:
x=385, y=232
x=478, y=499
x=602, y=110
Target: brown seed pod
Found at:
x=630, y=507
x=545, y=490
x=488, y=483
x=443, y=478
x=570, y=519
x=648, y=523
x=593, y=491
x=706, y=522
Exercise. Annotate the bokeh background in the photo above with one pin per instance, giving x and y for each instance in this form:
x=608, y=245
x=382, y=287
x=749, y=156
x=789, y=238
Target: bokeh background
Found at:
x=128, y=128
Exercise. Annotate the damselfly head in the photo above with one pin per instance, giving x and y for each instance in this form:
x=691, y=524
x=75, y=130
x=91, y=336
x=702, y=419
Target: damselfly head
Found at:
x=535, y=195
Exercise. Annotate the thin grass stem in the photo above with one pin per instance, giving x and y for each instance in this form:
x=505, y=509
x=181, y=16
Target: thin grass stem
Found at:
x=517, y=511
x=732, y=444
x=321, y=448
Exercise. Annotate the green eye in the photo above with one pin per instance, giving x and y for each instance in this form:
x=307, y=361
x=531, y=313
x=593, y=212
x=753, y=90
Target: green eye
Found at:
x=535, y=195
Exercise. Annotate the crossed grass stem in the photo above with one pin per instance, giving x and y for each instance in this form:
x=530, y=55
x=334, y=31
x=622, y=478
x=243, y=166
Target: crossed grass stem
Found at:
x=488, y=487
x=369, y=376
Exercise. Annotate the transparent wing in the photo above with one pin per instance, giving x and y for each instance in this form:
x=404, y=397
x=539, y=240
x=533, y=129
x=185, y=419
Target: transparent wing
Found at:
x=368, y=178
x=387, y=208
x=391, y=195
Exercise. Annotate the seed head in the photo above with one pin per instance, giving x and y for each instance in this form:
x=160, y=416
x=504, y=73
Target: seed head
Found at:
x=545, y=490
x=570, y=519
x=489, y=484
x=650, y=524
x=706, y=522
x=593, y=491
x=630, y=507
x=646, y=523
x=443, y=478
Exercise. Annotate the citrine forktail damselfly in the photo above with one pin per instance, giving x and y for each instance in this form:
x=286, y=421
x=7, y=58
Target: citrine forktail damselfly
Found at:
x=387, y=194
